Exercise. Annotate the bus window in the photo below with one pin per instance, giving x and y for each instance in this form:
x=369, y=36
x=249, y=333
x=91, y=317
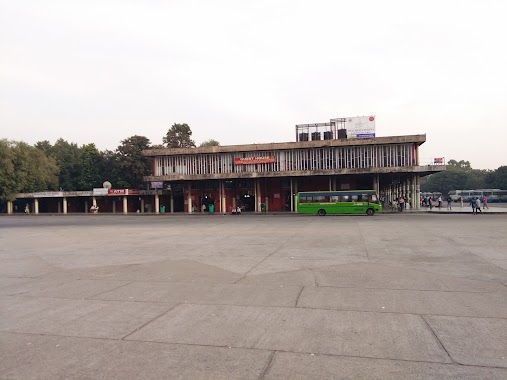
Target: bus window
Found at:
x=354, y=198
x=345, y=198
x=334, y=198
x=319, y=198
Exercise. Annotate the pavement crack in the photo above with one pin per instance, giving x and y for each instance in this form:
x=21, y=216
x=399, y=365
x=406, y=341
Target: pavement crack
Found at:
x=268, y=366
x=438, y=340
x=151, y=320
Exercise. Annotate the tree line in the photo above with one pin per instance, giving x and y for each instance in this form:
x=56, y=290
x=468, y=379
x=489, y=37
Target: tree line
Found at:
x=459, y=175
x=66, y=166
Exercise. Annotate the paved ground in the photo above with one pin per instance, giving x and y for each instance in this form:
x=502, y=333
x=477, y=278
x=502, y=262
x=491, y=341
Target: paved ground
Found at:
x=403, y=296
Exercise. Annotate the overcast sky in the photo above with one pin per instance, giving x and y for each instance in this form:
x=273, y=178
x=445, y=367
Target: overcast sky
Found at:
x=246, y=72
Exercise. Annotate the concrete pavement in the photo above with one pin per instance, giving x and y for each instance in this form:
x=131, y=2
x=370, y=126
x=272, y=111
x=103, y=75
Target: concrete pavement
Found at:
x=402, y=296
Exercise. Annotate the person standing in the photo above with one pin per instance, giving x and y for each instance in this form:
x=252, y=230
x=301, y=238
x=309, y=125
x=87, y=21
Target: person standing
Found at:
x=440, y=202
x=449, y=203
x=461, y=201
x=401, y=203
x=485, y=202
x=474, y=205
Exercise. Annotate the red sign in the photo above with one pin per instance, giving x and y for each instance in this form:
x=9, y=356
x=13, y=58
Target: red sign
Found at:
x=123, y=192
x=254, y=160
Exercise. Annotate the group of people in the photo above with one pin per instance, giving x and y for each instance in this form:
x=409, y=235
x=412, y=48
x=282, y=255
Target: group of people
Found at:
x=398, y=204
x=475, y=202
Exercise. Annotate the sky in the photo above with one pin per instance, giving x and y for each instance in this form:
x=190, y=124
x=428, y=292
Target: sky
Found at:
x=244, y=72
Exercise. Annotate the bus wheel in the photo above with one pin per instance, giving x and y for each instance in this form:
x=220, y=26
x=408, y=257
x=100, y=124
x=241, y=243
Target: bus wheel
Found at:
x=321, y=212
x=370, y=212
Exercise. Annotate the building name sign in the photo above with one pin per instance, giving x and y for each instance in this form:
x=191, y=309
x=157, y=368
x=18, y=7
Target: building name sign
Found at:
x=100, y=191
x=48, y=194
x=254, y=160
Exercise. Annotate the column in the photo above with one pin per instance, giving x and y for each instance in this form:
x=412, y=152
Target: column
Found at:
x=291, y=196
x=64, y=205
x=86, y=207
x=36, y=205
x=94, y=201
x=142, y=205
x=125, y=204
x=223, y=202
x=330, y=184
x=296, y=192
x=189, y=197
x=171, y=202
x=157, y=202
x=114, y=204
x=9, y=207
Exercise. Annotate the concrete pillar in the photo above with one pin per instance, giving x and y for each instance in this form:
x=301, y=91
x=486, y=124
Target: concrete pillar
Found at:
x=35, y=206
x=94, y=201
x=295, y=192
x=157, y=203
x=86, y=207
x=10, y=207
x=125, y=205
x=64, y=205
x=330, y=184
x=171, y=203
x=142, y=204
x=223, y=202
x=189, y=197
x=114, y=205
x=291, y=196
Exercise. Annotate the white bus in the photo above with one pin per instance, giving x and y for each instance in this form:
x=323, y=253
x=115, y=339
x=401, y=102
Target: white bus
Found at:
x=493, y=195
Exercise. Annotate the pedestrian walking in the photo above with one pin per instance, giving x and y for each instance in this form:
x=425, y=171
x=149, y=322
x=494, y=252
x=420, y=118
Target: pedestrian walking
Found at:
x=461, y=201
x=474, y=205
x=449, y=203
x=440, y=202
x=478, y=205
x=485, y=202
x=430, y=202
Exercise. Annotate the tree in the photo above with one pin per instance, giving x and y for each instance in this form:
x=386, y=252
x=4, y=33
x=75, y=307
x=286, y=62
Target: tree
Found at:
x=497, y=179
x=132, y=164
x=209, y=142
x=68, y=158
x=179, y=136
x=24, y=168
x=91, y=168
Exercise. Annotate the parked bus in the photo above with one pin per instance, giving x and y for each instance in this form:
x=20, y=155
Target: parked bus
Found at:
x=493, y=195
x=338, y=202
x=433, y=195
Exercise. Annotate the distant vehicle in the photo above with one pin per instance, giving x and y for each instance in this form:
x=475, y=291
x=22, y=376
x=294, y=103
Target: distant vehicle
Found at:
x=493, y=195
x=338, y=202
x=433, y=195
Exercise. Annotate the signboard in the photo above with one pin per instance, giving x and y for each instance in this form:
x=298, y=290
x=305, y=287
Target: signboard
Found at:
x=100, y=191
x=157, y=185
x=438, y=160
x=254, y=160
x=360, y=127
x=122, y=192
x=48, y=194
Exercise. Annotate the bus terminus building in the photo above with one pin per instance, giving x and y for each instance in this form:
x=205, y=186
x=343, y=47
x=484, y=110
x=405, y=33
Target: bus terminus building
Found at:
x=343, y=154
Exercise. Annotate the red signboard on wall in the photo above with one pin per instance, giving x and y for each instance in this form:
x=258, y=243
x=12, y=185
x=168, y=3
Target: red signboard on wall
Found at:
x=254, y=160
x=123, y=192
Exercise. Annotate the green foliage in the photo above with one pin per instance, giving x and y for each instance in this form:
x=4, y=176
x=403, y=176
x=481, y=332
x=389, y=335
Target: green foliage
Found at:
x=210, y=142
x=68, y=157
x=91, y=168
x=132, y=165
x=179, y=136
x=460, y=176
x=498, y=178
x=24, y=169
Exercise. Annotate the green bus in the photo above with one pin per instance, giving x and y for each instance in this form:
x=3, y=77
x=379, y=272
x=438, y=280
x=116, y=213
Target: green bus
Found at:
x=338, y=202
